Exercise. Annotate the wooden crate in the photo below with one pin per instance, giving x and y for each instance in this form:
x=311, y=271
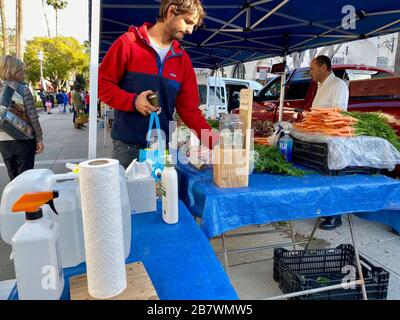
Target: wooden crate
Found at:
x=139, y=285
x=231, y=166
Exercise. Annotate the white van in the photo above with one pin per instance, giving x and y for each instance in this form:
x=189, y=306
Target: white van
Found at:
x=221, y=95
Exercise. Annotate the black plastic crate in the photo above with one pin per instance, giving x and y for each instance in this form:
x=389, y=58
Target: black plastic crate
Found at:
x=315, y=156
x=300, y=270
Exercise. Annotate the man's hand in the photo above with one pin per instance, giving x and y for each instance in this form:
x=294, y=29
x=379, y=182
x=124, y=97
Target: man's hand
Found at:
x=39, y=147
x=143, y=106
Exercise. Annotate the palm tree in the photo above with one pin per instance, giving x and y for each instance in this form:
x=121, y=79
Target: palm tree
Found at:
x=6, y=47
x=45, y=18
x=57, y=5
x=19, y=26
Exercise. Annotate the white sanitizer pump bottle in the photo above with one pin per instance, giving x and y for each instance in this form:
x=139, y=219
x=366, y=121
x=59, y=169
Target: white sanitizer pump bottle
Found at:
x=36, y=250
x=169, y=182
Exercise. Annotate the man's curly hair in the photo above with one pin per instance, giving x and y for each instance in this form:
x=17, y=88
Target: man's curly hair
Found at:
x=182, y=7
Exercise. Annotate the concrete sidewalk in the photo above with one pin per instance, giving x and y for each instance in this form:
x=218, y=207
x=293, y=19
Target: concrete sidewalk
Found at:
x=252, y=280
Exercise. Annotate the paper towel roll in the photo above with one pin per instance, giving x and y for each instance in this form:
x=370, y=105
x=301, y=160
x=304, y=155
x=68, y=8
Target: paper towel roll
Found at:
x=102, y=227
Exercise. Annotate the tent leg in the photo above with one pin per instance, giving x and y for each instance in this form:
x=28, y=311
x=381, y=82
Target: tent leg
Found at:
x=292, y=235
x=94, y=69
x=318, y=290
x=224, y=247
x=282, y=92
x=359, y=268
x=317, y=223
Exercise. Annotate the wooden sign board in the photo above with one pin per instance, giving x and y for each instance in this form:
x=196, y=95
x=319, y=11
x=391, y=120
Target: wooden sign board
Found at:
x=246, y=99
x=139, y=285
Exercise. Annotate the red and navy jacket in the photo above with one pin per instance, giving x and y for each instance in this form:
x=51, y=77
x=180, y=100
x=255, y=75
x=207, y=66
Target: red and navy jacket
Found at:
x=132, y=66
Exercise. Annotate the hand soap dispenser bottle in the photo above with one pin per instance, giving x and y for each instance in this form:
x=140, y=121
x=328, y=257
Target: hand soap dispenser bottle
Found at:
x=169, y=182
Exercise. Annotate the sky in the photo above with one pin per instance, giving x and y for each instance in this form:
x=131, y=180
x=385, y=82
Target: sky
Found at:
x=73, y=21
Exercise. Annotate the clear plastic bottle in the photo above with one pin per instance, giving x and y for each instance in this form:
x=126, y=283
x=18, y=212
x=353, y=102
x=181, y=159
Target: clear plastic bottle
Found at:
x=285, y=146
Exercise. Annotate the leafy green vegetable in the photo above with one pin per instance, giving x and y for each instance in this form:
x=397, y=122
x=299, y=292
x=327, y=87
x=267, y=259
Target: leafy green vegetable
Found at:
x=374, y=124
x=323, y=281
x=214, y=124
x=270, y=160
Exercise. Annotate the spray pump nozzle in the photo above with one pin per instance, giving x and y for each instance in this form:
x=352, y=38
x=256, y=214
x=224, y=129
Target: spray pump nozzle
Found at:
x=31, y=203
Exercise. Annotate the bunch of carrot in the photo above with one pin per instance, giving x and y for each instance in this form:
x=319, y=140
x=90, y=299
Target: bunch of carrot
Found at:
x=261, y=141
x=327, y=121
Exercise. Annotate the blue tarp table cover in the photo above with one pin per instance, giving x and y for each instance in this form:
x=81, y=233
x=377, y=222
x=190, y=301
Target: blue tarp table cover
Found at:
x=271, y=198
x=178, y=258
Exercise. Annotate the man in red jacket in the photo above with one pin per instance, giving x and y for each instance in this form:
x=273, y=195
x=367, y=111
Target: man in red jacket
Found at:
x=147, y=59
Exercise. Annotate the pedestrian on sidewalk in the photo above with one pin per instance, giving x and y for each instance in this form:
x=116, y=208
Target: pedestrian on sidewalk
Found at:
x=98, y=108
x=60, y=101
x=87, y=101
x=78, y=105
x=42, y=95
x=71, y=108
x=48, y=104
x=66, y=101
x=51, y=98
x=19, y=155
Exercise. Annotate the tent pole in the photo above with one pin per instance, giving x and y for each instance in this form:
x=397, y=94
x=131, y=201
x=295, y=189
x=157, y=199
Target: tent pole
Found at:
x=282, y=92
x=220, y=75
x=212, y=109
x=94, y=67
x=266, y=16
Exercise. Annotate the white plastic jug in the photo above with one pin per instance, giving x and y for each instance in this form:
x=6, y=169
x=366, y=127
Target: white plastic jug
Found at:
x=29, y=181
x=70, y=221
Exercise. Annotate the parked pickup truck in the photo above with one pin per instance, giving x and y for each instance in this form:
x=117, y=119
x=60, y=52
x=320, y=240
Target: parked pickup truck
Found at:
x=370, y=89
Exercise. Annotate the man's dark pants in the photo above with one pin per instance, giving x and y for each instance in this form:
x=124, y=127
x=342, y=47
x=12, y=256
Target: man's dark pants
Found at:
x=125, y=152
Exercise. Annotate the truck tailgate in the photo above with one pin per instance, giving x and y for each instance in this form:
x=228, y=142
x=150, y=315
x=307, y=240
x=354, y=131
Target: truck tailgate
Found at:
x=375, y=87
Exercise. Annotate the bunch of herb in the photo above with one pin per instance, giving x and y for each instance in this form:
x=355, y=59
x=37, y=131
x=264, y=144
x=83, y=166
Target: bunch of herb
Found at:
x=374, y=124
x=214, y=124
x=270, y=160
